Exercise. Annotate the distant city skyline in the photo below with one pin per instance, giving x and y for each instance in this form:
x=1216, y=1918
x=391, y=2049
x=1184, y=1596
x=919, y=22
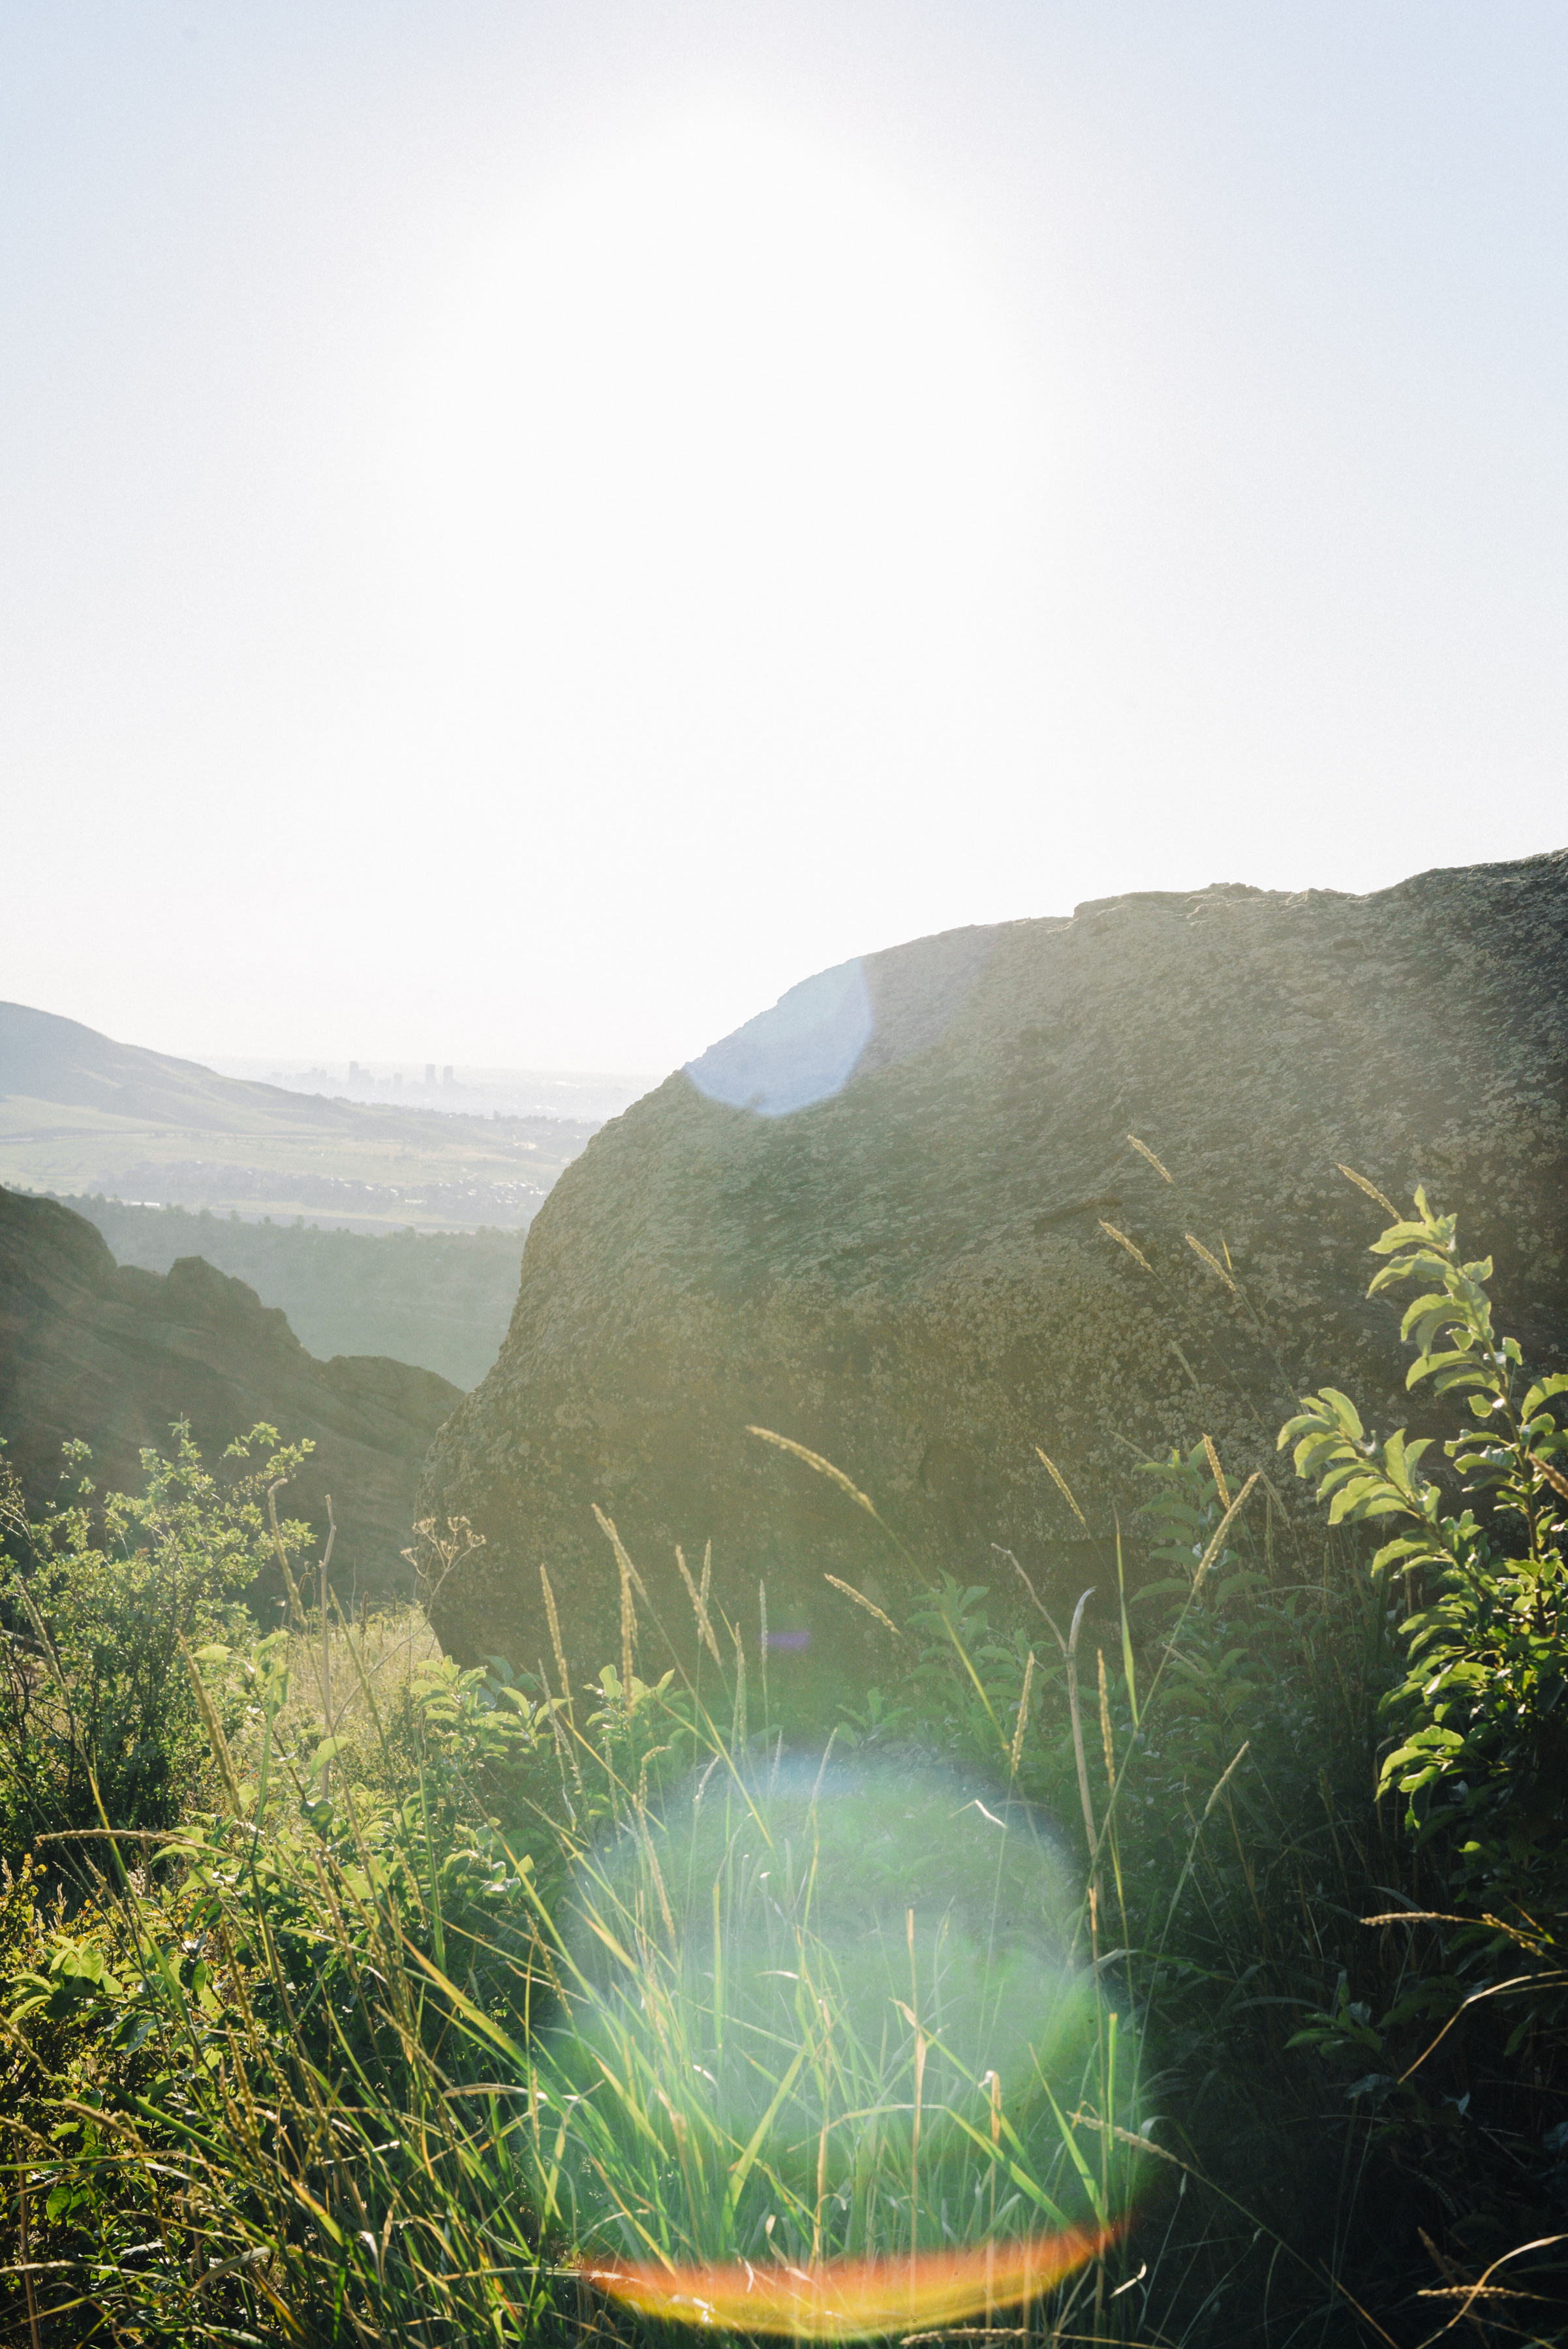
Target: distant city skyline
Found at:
x=532, y=531
x=460, y=1088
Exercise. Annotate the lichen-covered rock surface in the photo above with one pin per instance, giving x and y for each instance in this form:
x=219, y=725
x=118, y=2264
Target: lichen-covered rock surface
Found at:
x=874, y=1221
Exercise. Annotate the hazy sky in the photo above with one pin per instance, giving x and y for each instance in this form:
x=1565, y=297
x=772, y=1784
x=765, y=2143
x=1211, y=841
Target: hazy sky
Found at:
x=527, y=526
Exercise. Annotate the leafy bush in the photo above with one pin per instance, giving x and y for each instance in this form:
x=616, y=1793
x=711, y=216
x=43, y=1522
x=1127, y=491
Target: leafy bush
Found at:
x=1479, y=1714
x=97, y=1720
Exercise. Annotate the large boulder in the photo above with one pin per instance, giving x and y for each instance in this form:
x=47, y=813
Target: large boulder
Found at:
x=876, y=1222
x=114, y=1355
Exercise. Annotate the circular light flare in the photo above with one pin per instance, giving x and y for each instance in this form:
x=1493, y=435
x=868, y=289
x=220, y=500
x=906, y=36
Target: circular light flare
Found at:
x=792, y=1935
x=853, y=2299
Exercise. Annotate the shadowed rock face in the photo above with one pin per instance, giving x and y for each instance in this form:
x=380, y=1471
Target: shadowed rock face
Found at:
x=113, y=1354
x=910, y=1274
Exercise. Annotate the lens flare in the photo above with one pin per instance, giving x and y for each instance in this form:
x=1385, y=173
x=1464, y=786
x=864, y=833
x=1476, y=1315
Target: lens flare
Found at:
x=802, y=1051
x=831, y=2058
x=849, y=2299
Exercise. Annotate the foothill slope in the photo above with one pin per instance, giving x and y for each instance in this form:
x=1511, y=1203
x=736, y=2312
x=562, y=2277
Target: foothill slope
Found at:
x=113, y=1355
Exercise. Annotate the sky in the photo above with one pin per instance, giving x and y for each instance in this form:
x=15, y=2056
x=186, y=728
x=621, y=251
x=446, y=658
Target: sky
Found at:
x=529, y=526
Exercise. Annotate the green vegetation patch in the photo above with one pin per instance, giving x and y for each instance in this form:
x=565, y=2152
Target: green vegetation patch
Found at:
x=1217, y=1960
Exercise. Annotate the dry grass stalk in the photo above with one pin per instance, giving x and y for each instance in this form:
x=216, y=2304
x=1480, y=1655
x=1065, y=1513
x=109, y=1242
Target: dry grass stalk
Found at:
x=698, y=1598
x=1131, y=1246
x=555, y=1622
x=737, y=1727
x=1144, y=1151
x=815, y=1460
x=1211, y=1261
x=1221, y=1529
x=1016, y=1756
x=1371, y=1190
x=1075, y=1710
x=861, y=1600
x=1063, y=1488
x=631, y=1581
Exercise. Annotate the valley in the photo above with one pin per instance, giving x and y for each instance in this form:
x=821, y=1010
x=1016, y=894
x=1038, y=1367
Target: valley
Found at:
x=440, y=1299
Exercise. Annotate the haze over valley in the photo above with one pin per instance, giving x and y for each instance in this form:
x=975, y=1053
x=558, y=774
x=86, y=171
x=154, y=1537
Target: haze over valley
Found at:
x=575, y=1094
x=439, y=1298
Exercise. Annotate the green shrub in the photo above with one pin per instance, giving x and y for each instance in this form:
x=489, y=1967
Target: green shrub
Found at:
x=97, y=1720
x=1479, y=1714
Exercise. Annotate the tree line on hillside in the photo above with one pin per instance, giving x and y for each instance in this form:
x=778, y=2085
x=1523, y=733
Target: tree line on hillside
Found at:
x=439, y=1299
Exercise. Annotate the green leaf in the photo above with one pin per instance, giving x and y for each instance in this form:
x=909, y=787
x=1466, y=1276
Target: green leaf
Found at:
x=1460, y=1361
x=1439, y=1305
x=1345, y=1413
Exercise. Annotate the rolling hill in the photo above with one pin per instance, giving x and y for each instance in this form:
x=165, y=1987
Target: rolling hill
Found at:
x=81, y=1112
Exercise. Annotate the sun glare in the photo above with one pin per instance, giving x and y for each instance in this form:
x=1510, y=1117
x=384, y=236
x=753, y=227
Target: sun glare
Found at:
x=723, y=443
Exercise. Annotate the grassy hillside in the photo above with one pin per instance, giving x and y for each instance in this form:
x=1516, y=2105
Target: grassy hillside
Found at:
x=439, y=1299
x=79, y=1112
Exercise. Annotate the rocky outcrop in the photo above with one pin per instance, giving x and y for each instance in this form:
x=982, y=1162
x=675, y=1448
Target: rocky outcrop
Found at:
x=876, y=1221
x=114, y=1355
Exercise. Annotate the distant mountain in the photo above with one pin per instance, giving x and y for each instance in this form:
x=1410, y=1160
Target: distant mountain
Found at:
x=114, y=1355
x=81, y=1112
x=44, y=1058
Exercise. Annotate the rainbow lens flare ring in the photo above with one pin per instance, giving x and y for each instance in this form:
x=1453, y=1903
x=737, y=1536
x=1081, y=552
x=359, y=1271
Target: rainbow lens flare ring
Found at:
x=851, y=2299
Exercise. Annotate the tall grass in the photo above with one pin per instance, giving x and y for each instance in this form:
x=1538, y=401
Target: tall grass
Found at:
x=357, y=2095
x=816, y=2015
x=369, y=2081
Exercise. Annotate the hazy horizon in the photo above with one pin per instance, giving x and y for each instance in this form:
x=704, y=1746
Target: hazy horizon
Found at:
x=459, y=1087
x=531, y=531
